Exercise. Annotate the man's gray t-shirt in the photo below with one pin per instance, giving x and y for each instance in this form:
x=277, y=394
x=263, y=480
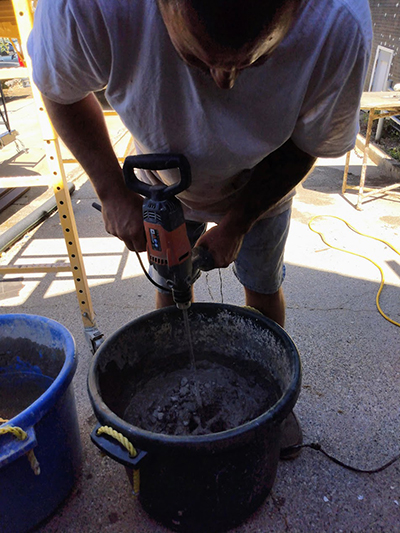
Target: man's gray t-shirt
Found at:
x=308, y=90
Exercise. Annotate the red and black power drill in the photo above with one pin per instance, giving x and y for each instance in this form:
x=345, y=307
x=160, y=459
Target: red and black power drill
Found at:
x=168, y=246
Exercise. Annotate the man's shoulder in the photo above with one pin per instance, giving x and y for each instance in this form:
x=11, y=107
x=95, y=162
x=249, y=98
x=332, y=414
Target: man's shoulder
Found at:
x=108, y=9
x=106, y=6
x=356, y=13
x=94, y=20
x=336, y=20
x=359, y=11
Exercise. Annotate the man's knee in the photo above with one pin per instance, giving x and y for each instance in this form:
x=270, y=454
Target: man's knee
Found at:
x=270, y=305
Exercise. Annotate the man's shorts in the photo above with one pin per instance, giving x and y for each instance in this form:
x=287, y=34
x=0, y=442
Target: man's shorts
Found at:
x=259, y=265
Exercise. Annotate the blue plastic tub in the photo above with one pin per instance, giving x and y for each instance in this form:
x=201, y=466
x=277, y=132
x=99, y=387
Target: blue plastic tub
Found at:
x=37, y=364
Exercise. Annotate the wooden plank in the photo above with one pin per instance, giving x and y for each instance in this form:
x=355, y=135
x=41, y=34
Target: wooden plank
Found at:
x=10, y=196
x=8, y=137
x=8, y=24
x=387, y=100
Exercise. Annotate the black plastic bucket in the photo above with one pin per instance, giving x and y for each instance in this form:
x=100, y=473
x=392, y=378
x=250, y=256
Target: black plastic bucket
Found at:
x=195, y=483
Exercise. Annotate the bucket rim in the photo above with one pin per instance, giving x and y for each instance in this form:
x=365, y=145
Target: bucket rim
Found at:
x=148, y=440
x=37, y=409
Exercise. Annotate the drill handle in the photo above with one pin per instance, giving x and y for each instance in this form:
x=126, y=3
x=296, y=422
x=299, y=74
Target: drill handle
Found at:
x=157, y=162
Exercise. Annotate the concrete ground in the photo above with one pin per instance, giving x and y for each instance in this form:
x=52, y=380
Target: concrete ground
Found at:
x=349, y=400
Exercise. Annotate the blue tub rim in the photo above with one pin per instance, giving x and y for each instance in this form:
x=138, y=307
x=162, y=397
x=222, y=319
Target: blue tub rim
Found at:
x=35, y=412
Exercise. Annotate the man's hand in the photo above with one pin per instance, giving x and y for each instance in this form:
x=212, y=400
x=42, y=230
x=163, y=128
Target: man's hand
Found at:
x=123, y=218
x=222, y=242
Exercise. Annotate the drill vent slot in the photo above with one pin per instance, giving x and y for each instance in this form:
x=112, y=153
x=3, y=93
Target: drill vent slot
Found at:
x=184, y=256
x=151, y=216
x=158, y=260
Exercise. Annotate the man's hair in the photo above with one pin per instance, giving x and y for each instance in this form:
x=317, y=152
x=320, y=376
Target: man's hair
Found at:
x=234, y=23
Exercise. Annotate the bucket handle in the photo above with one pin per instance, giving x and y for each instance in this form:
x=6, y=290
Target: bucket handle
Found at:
x=121, y=451
x=21, y=443
x=119, y=448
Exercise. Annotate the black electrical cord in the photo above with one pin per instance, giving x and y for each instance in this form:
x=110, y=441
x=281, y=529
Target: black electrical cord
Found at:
x=148, y=275
x=316, y=446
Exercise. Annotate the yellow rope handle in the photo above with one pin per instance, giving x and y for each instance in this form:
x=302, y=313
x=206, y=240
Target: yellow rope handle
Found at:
x=33, y=462
x=119, y=437
x=111, y=432
x=20, y=434
x=359, y=255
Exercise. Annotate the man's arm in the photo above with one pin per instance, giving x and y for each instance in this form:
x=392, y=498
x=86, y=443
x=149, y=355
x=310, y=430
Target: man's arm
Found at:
x=273, y=178
x=82, y=128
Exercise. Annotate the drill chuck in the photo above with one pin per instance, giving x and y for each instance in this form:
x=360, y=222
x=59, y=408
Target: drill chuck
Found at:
x=182, y=299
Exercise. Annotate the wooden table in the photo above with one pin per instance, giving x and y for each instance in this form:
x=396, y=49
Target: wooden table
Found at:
x=379, y=105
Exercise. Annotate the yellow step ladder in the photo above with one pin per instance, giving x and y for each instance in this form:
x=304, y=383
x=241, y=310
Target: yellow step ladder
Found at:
x=16, y=20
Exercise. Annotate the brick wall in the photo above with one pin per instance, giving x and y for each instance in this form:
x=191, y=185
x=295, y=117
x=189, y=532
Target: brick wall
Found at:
x=386, y=28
